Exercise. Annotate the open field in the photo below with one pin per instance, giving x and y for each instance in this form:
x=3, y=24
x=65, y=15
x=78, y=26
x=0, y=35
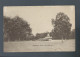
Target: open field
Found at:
x=40, y=46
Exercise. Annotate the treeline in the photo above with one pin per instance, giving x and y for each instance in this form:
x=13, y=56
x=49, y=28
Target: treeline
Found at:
x=17, y=29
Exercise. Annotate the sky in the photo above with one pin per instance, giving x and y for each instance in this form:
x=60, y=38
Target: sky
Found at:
x=39, y=17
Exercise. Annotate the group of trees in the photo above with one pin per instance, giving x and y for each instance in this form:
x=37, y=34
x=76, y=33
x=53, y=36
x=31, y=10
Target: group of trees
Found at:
x=18, y=29
x=41, y=35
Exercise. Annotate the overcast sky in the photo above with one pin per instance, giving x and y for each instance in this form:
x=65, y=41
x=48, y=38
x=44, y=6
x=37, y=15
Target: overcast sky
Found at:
x=39, y=17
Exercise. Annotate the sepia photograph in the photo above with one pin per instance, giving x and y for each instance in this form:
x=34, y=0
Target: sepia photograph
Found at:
x=39, y=28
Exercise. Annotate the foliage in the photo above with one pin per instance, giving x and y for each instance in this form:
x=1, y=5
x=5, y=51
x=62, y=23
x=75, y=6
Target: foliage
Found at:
x=41, y=35
x=16, y=29
x=62, y=26
x=72, y=35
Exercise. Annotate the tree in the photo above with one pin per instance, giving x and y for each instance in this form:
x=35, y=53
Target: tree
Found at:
x=62, y=26
x=16, y=28
x=72, y=35
x=6, y=27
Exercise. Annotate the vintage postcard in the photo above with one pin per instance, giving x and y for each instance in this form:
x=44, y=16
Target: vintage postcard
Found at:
x=39, y=28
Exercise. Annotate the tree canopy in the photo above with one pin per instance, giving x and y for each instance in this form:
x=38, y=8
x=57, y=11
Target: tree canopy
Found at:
x=62, y=26
x=16, y=28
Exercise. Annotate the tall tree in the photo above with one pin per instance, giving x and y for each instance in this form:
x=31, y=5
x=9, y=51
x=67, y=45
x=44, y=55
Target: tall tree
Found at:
x=62, y=26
